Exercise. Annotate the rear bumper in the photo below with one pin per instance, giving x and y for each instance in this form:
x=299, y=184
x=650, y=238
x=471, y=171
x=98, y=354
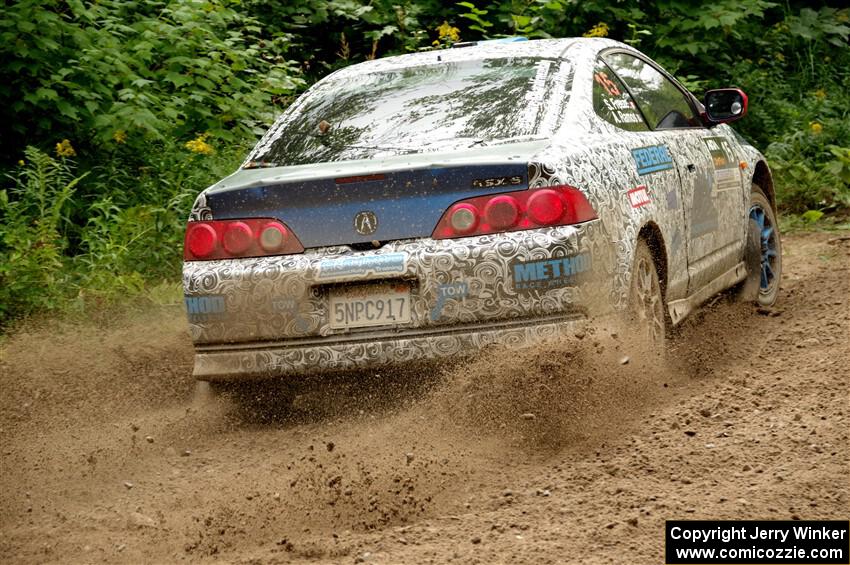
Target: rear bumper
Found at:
x=308, y=356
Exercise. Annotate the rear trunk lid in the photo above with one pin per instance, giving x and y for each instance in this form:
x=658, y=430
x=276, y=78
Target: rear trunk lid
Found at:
x=380, y=199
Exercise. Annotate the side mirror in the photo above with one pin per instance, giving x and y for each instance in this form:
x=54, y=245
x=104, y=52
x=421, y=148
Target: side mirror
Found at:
x=724, y=105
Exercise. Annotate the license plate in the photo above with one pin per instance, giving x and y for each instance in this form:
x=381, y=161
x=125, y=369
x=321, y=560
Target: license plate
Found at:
x=369, y=305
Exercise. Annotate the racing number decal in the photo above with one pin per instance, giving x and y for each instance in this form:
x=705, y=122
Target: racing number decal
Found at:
x=606, y=83
x=727, y=176
x=613, y=104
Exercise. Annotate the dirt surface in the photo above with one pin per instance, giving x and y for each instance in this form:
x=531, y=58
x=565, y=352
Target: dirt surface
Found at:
x=563, y=453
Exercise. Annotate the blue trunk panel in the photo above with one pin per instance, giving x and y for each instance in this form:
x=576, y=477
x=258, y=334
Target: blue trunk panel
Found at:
x=407, y=204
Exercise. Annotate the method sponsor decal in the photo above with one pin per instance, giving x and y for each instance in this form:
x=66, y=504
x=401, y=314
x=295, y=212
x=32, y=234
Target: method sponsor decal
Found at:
x=545, y=274
x=390, y=264
x=638, y=196
x=446, y=292
x=204, y=308
x=727, y=175
x=652, y=159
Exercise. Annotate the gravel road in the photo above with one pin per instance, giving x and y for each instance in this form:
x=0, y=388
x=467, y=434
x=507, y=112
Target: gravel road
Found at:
x=575, y=452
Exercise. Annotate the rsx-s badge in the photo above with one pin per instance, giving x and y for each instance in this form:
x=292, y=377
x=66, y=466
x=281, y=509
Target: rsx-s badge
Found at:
x=365, y=223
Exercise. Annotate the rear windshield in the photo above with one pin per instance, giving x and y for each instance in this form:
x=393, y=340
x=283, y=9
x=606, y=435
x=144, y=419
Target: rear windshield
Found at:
x=418, y=109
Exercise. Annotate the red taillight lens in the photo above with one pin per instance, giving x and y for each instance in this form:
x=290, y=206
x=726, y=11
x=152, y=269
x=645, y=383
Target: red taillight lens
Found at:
x=502, y=212
x=201, y=240
x=237, y=238
x=272, y=237
x=545, y=207
x=227, y=239
x=463, y=218
x=511, y=211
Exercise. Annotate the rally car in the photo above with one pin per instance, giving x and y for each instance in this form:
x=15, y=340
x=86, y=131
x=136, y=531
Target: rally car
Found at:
x=429, y=205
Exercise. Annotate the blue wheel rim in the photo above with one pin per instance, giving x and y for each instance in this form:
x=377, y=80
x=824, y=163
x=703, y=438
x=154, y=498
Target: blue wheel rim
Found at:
x=769, y=247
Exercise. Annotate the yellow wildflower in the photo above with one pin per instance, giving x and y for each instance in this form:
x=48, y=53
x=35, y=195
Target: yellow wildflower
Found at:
x=816, y=128
x=820, y=93
x=200, y=145
x=120, y=136
x=448, y=31
x=599, y=30
x=21, y=163
x=65, y=149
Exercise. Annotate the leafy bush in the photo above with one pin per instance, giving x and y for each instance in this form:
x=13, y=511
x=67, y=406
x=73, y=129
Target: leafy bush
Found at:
x=134, y=235
x=68, y=241
x=131, y=71
x=32, y=234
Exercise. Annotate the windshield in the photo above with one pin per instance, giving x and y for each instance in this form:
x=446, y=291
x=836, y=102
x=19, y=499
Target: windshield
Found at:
x=418, y=109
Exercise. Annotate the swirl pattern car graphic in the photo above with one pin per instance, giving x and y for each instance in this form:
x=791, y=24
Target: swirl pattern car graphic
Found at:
x=392, y=237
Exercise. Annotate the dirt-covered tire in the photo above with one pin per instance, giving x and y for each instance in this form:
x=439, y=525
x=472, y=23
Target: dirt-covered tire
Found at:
x=647, y=309
x=748, y=290
x=768, y=271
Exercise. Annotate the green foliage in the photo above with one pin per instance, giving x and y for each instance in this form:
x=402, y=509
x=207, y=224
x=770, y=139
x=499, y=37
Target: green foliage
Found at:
x=68, y=241
x=32, y=234
x=349, y=30
x=92, y=72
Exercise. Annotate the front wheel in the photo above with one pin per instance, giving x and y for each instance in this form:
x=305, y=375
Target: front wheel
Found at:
x=769, y=269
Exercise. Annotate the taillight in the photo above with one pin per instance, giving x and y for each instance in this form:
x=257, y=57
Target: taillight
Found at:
x=201, y=240
x=463, y=218
x=512, y=211
x=273, y=237
x=237, y=238
x=502, y=212
x=546, y=207
x=227, y=239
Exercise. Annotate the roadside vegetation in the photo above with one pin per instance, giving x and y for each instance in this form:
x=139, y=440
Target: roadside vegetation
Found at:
x=115, y=114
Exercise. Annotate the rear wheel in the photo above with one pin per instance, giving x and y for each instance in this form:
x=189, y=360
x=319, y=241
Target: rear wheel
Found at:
x=646, y=304
x=769, y=270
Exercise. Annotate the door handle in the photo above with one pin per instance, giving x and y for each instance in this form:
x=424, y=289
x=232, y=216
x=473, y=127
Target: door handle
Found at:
x=691, y=168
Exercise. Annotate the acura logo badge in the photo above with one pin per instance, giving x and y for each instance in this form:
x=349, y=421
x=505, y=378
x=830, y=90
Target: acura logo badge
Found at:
x=365, y=223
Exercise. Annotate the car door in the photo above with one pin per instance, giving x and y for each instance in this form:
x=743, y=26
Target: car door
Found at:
x=706, y=162
x=651, y=176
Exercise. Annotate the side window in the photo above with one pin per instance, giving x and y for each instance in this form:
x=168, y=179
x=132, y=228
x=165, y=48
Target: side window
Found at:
x=661, y=101
x=612, y=102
